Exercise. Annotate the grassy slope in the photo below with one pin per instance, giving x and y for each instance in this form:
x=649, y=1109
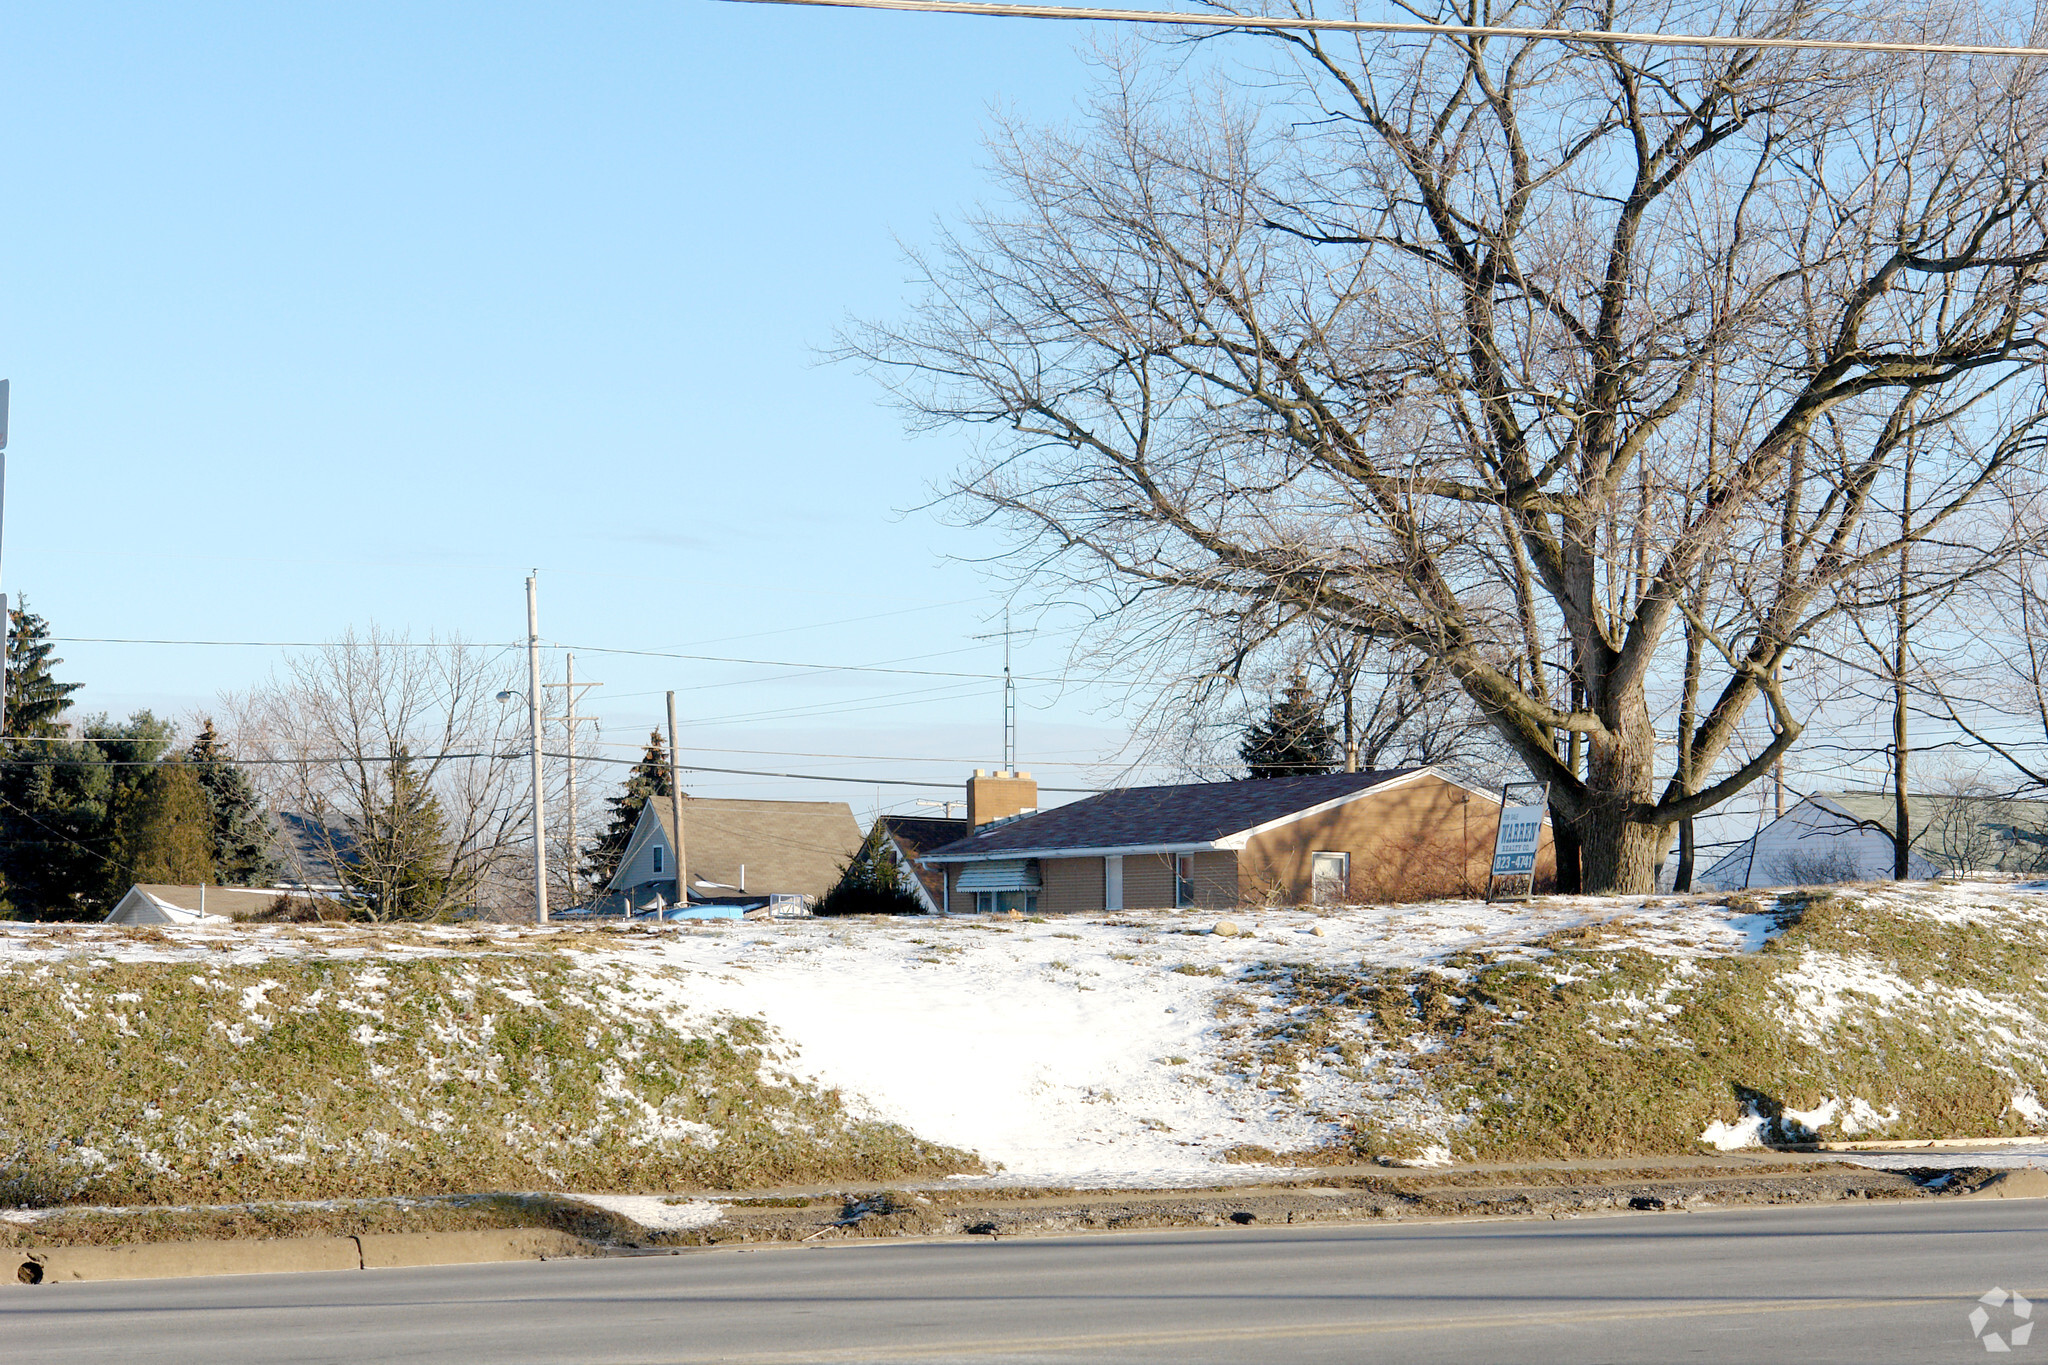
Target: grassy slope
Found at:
x=152, y=1082
x=1588, y=1049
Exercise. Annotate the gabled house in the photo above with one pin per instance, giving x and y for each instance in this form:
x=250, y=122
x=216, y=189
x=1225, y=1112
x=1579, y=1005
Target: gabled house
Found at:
x=910, y=837
x=1847, y=837
x=738, y=851
x=1400, y=835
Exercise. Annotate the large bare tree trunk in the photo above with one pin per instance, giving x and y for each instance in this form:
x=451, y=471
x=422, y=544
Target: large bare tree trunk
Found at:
x=1468, y=346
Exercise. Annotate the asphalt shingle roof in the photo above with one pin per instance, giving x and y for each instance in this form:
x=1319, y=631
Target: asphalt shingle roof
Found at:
x=1140, y=817
x=786, y=847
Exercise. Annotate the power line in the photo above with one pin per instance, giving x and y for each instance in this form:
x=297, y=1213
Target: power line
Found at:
x=322, y=760
x=1303, y=24
x=883, y=667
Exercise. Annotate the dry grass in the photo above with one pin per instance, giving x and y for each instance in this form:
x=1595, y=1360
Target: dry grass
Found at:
x=1593, y=1049
x=209, y=1082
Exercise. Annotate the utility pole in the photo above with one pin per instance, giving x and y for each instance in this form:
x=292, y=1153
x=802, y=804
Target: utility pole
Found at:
x=570, y=720
x=6, y=621
x=533, y=694
x=675, y=805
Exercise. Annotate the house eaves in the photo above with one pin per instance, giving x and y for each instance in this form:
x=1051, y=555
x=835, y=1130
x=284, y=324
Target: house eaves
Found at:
x=1105, y=851
x=1234, y=842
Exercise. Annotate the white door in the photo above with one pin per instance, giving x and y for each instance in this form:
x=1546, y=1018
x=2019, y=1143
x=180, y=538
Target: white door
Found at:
x=1330, y=878
x=1113, y=882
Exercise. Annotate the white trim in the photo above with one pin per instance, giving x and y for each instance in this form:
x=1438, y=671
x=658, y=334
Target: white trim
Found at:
x=1112, y=881
x=906, y=873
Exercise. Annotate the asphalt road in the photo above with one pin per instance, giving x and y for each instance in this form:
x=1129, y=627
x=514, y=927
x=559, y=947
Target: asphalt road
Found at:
x=1864, y=1284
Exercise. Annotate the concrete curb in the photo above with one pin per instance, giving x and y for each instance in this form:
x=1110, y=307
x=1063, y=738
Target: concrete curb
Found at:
x=1917, y=1145
x=375, y=1251
x=2025, y=1183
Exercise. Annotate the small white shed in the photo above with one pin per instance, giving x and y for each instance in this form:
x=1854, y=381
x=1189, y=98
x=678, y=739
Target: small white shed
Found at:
x=158, y=903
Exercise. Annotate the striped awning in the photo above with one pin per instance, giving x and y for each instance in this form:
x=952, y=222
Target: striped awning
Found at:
x=1009, y=874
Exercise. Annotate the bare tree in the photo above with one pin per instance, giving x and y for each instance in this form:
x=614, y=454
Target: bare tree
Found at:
x=1511, y=354
x=409, y=770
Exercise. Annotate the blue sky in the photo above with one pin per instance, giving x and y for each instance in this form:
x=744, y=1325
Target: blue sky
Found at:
x=322, y=315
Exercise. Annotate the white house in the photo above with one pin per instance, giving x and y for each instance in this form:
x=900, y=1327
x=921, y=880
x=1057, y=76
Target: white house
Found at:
x=738, y=851
x=1847, y=837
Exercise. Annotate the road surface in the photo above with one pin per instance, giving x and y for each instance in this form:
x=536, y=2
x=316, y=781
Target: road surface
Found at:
x=1881, y=1282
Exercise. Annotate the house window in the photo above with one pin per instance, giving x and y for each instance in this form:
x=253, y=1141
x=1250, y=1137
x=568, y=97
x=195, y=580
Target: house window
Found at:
x=1003, y=902
x=658, y=851
x=1183, y=880
x=1330, y=877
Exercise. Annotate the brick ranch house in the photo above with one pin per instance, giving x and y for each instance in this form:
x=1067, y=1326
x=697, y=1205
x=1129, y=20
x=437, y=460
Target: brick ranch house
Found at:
x=1408, y=834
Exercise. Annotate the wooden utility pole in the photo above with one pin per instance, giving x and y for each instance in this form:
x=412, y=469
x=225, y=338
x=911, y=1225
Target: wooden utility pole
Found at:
x=675, y=803
x=570, y=720
x=1902, y=625
x=540, y=826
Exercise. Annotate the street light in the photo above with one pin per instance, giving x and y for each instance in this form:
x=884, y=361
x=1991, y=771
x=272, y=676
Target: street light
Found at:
x=540, y=843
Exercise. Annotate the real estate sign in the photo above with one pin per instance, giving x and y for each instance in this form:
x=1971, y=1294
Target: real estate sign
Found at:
x=1514, y=847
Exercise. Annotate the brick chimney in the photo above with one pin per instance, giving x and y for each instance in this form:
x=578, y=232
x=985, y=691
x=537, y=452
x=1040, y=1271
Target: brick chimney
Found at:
x=991, y=796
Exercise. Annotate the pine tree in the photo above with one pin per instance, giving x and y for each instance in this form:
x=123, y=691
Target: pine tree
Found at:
x=1293, y=739
x=648, y=779
x=36, y=701
x=871, y=883
x=399, y=868
x=61, y=798
x=46, y=809
x=137, y=815
x=241, y=843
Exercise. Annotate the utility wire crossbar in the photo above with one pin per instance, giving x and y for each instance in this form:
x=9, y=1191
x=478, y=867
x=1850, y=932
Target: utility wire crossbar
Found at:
x=1290, y=23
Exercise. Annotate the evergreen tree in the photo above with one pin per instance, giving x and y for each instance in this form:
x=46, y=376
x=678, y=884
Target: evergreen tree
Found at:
x=241, y=844
x=36, y=701
x=871, y=883
x=59, y=799
x=1293, y=739
x=400, y=867
x=36, y=809
x=648, y=779
x=158, y=830
x=136, y=813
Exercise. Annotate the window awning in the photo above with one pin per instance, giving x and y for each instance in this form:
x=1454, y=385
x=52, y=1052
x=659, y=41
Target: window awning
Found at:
x=1012, y=874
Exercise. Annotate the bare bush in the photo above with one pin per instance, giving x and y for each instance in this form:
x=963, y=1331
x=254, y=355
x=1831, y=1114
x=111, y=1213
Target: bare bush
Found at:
x=410, y=772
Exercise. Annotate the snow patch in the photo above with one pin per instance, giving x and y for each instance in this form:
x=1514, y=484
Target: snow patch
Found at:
x=657, y=1213
x=1747, y=1131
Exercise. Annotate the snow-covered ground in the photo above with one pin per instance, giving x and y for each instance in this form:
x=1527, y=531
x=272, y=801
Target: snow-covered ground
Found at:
x=1082, y=1051
x=1090, y=1051
x=1077, y=1051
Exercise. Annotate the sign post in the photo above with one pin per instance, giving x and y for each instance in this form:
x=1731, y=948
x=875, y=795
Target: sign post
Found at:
x=1518, y=836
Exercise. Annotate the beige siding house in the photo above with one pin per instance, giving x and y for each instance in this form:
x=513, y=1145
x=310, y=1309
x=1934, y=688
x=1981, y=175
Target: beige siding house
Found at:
x=1402, y=835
